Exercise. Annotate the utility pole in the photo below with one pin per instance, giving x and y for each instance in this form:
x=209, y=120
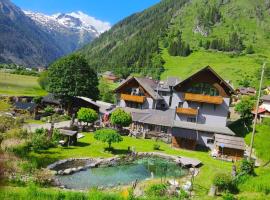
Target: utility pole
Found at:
x=256, y=114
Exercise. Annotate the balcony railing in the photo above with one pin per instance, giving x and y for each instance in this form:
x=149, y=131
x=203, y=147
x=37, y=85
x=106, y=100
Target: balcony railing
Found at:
x=133, y=98
x=203, y=98
x=187, y=111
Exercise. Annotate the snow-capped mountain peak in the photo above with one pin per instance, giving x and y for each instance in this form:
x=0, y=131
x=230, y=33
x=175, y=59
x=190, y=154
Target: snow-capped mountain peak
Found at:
x=75, y=20
x=89, y=21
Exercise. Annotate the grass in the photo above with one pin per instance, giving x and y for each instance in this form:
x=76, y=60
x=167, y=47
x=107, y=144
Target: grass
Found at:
x=19, y=85
x=36, y=193
x=258, y=184
x=230, y=68
x=4, y=106
x=89, y=147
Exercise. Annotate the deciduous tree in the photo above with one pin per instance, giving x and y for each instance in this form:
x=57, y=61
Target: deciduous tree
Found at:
x=108, y=136
x=72, y=76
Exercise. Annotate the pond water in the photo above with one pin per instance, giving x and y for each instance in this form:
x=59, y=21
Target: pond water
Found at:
x=122, y=174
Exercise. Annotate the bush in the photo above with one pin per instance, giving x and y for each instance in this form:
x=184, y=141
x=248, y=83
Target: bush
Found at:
x=223, y=182
x=156, y=146
x=120, y=118
x=40, y=141
x=157, y=190
x=17, y=133
x=247, y=167
x=228, y=196
x=6, y=123
x=87, y=115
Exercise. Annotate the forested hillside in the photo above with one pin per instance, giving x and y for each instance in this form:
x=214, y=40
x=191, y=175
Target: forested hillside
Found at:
x=177, y=37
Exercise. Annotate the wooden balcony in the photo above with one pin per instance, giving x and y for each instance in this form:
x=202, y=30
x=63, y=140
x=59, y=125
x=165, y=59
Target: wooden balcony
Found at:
x=133, y=98
x=204, y=98
x=187, y=111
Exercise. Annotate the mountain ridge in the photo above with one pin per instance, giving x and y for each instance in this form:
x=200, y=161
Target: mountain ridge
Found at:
x=35, y=39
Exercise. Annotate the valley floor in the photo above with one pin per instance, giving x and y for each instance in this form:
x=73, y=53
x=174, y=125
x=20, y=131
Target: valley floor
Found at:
x=19, y=85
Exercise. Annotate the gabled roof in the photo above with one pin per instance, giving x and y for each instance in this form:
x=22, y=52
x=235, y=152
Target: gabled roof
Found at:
x=230, y=142
x=89, y=101
x=224, y=83
x=147, y=84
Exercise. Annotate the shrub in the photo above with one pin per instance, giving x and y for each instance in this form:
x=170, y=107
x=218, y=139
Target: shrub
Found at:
x=6, y=123
x=87, y=115
x=183, y=194
x=223, y=182
x=108, y=135
x=43, y=177
x=17, y=133
x=247, y=167
x=40, y=140
x=228, y=196
x=156, y=190
x=120, y=118
x=156, y=146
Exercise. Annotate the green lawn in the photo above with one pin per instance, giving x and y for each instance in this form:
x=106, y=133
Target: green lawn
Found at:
x=19, y=85
x=89, y=147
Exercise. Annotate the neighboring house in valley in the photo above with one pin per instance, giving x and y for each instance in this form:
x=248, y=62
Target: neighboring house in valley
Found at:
x=110, y=76
x=188, y=114
x=264, y=108
x=246, y=91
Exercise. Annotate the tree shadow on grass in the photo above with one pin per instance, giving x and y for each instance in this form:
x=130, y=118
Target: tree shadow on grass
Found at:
x=118, y=151
x=82, y=144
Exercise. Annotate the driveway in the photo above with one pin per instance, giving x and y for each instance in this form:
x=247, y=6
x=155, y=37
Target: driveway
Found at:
x=33, y=127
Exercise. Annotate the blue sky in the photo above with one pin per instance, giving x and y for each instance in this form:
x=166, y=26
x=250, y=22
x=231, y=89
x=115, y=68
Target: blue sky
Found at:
x=107, y=10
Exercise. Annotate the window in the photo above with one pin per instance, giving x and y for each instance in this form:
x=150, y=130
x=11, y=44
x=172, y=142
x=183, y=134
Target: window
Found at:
x=203, y=88
x=210, y=141
x=151, y=127
x=180, y=105
x=164, y=129
x=191, y=119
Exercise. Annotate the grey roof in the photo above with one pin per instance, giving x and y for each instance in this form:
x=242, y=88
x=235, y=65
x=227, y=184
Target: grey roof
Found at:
x=172, y=81
x=89, y=100
x=149, y=116
x=265, y=98
x=68, y=132
x=148, y=84
x=25, y=106
x=203, y=127
x=105, y=107
x=229, y=141
x=246, y=90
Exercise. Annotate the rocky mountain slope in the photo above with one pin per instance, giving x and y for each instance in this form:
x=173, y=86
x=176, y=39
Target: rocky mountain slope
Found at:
x=36, y=39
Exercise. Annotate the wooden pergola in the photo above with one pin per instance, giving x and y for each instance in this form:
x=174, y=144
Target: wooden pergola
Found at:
x=71, y=136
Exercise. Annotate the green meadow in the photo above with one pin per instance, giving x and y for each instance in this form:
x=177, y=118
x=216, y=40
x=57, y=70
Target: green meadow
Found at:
x=228, y=67
x=19, y=85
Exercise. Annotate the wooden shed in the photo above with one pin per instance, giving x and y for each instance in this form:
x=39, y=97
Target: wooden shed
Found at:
x=230, y=146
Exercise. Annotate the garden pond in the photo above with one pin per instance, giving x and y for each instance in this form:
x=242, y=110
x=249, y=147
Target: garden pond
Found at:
x=123, y=173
